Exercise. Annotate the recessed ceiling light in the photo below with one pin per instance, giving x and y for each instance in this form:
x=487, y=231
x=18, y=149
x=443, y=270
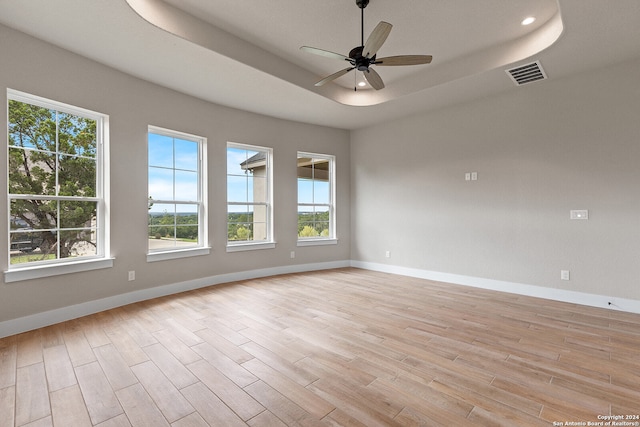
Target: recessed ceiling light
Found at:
x=528, y=20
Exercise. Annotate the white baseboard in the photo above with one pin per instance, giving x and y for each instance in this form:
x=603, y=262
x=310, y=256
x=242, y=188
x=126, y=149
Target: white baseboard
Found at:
x=592, y=300
x=47, y=318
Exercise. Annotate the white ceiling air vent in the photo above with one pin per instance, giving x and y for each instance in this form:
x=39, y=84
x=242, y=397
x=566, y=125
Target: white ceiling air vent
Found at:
x=527, y=73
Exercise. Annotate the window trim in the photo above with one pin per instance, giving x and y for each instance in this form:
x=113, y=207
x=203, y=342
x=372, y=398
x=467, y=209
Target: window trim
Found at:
x=202, y=248
x=332, y=239
x=102, y=258
x=269, y=242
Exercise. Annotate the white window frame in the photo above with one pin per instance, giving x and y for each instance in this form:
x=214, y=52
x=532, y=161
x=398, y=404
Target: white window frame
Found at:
x=269, y=242
x=332, y=238
x=102, y=258
x=202, y=247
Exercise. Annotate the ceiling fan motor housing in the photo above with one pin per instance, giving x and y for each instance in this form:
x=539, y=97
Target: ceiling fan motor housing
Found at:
x=360, y=62
x=362, y=3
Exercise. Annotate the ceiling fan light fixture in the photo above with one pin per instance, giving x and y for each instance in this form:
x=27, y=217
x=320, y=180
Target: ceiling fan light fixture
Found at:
x=362, y=84
x=528, y=20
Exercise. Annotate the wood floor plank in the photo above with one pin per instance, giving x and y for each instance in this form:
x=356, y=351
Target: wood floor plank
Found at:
x=102, y=403
x=343, y=347
x=232, y=370
x=191, y=420
x=301, y=376
x=7, y=406
x=139, y=407
x=278, y=405
x=175, y=371
x=8, y=361
x=58, y=367
x=127, y=347
x=68, y=408
x=229, y=392
x=211, y=408
x=289, y=388
x=32, y=395
x=118, y=421
x=180, y=350
x=115, y=367
x=164, y=394
x=78, y=348
x=266, y=419
x=29, y=348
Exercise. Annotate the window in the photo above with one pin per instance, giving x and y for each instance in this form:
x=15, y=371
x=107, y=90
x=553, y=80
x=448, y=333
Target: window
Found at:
x=249, y=207
x=56, y=185
x=176, y=217
x=316, y=206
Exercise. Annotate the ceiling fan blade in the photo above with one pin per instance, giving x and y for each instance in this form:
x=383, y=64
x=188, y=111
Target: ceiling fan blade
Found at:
x=404, y=60
x=334, y=76
x=325, y=53
x=374, y=79
x=376, y=39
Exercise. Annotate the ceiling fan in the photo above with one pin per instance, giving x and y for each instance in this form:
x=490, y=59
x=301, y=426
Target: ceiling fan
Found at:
x=363, y=57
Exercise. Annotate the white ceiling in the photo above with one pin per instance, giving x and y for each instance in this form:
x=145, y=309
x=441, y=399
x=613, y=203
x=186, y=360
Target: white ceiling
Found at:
x=245, y=54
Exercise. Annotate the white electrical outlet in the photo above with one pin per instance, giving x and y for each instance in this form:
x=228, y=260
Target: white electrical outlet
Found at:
x=132, y=276
x=579, y=214
x=293, y=254
x=565, y=275
x=467, y=176
x=474, y=176
x=387, y=254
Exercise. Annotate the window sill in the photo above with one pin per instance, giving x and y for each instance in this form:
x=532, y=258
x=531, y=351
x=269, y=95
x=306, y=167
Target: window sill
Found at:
x=38, y=272
x=250, y=246
x=317, y=242
x=177, y=254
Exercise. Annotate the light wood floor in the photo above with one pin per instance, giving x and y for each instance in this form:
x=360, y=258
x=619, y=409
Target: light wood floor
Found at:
x=343, y=347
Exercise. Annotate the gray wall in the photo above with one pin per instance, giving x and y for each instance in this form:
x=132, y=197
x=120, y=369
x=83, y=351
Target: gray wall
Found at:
x=32, y=66
x=539, y=151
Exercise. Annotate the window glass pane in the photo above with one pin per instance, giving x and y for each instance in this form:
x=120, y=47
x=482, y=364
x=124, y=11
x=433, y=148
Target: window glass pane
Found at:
x=77, y=176
x=186, y=155
x=76, y=135
x=160, y=150
x=31, y=126
x=237, y=189
x=34, y=213
x=161, y=183
x=186, y=186
x=236, y=157
x=258, y=190
x=321, y=192
x=28, y=246
x=260, y=222
x=78, y=243
x=32, y=172
x=305, y=191
x=240, y=222
x=77, y=214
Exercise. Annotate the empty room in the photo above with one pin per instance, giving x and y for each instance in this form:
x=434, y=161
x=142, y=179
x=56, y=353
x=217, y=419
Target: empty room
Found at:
x=334, y=213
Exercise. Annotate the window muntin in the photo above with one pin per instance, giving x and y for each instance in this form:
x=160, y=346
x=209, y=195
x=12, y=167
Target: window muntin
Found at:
x=176, y=197
x=316, y=206
x=249, y=206
x=56, y=187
